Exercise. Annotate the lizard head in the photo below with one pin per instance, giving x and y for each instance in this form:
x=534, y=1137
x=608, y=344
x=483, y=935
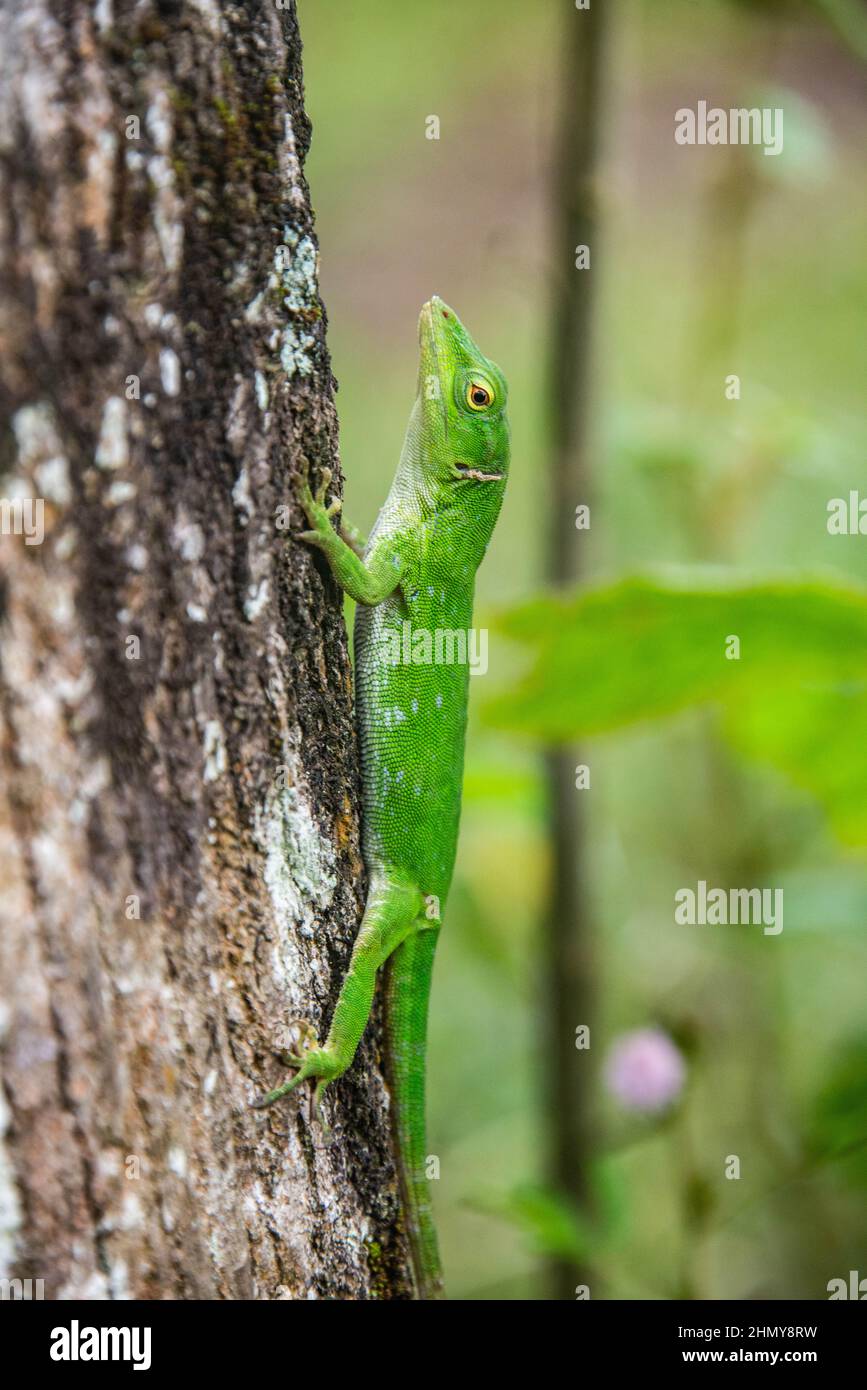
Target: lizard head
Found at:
x=462, y=397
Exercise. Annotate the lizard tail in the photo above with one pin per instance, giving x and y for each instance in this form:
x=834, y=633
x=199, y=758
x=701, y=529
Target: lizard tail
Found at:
x=407, y=992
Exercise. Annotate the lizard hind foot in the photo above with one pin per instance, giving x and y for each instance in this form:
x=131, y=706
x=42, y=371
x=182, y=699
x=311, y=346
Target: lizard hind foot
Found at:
x=316, y=1065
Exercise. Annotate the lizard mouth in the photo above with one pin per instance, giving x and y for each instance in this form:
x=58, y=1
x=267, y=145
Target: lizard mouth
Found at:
x=466, y=471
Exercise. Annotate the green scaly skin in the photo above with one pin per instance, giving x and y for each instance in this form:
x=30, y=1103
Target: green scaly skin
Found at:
x=418, y=568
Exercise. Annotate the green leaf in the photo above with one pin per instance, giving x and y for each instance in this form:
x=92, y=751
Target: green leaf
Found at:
x=818, y=738
x=608, y=657
x=552, y=1222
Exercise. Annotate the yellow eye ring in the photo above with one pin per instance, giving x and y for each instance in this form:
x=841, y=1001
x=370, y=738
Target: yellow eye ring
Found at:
x=479, y=397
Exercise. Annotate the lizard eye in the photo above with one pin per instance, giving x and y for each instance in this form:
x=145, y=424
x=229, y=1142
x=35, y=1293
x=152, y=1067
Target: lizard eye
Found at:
x=479, y=397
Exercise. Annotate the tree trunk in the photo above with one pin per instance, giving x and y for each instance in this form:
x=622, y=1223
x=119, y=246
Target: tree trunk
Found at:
x=179, y=818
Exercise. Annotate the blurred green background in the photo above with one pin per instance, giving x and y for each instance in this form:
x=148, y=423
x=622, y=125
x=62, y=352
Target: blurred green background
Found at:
x=711, y=261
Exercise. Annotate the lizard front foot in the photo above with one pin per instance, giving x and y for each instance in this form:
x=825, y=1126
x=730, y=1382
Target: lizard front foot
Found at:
x=315, y=505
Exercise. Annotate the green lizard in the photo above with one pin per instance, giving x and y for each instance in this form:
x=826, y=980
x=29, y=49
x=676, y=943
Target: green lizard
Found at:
x=414, y=587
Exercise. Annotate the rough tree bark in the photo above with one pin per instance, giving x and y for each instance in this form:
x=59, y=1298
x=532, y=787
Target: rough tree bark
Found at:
x=178, y=826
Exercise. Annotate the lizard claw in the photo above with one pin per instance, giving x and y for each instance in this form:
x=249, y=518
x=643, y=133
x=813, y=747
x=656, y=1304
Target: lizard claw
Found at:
x=302, y=484
x=324, y=484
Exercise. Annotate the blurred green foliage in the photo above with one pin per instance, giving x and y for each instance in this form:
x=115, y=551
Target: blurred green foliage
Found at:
x=837, y=1124
x=793, y=692
x=711, y=261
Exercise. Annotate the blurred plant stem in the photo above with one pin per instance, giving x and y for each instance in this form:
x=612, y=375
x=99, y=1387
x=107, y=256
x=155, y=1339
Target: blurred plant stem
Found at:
x=722, y=266
x=567, y=952
x=699, y=1201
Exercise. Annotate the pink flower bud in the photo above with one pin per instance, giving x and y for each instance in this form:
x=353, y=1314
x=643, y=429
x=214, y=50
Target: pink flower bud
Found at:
x=644, y=1070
